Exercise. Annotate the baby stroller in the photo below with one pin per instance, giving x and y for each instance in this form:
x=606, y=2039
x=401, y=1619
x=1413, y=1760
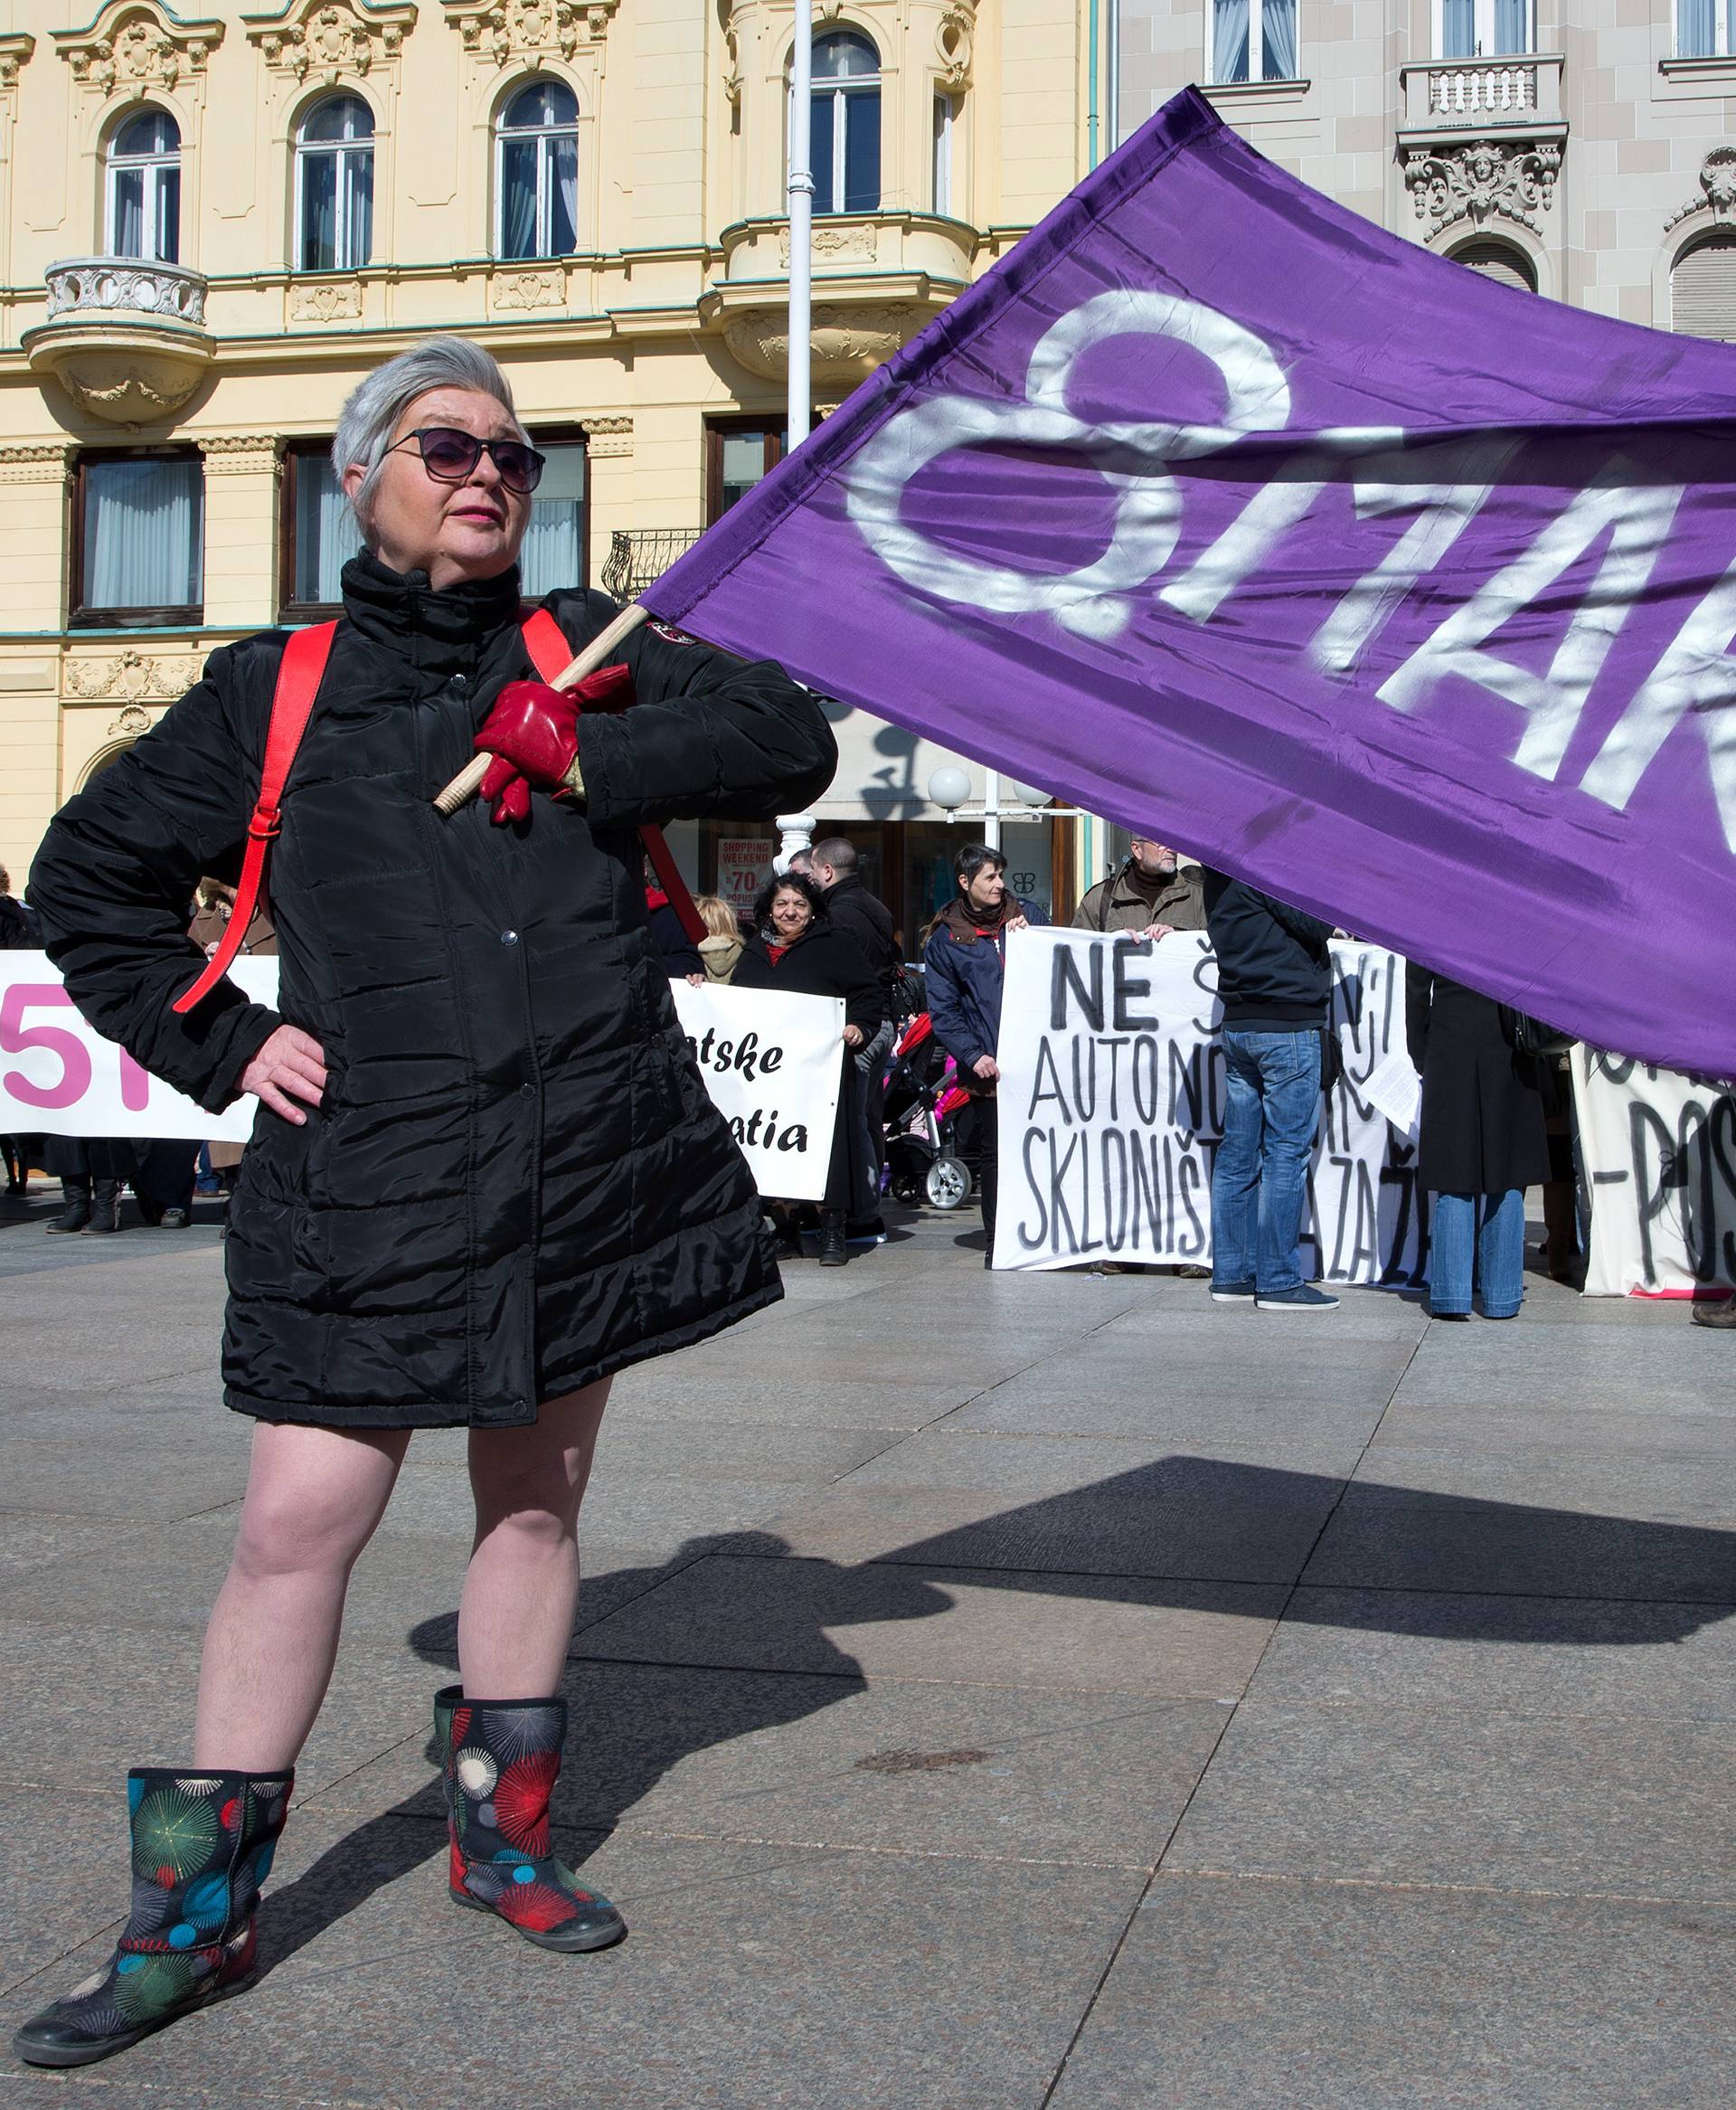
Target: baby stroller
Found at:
x=922, y=1104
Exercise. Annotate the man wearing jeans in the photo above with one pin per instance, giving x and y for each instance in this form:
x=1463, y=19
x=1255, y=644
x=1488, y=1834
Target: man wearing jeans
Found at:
x=1275, y=980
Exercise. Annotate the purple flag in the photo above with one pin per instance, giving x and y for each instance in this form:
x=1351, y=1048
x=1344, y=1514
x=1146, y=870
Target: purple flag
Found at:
x=1401, y=593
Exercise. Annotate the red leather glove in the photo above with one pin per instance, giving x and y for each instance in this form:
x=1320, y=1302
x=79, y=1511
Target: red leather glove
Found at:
x=532, y=731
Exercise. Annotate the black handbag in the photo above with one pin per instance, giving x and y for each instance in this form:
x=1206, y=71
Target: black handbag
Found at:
x=1527, y=1035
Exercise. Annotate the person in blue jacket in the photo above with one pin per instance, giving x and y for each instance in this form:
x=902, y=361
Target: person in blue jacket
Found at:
x=964, y=964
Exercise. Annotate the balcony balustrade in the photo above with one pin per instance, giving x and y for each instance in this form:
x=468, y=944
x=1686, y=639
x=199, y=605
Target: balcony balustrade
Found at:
x=125, y=336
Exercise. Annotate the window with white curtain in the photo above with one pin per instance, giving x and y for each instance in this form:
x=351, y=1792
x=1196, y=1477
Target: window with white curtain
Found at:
x=1705, y=29
x=943, y=114
x=536, y=172
x=552, y=555
x=324, y=536
x=142, y=532
x=145, y=188
x=1253, y=40
x=843, y=136
x=335, y=186
x=1484, y=29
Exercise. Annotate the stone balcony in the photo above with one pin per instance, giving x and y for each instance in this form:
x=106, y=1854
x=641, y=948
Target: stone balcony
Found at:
x=877, y=279
x=125, y=336
x=1448, y=99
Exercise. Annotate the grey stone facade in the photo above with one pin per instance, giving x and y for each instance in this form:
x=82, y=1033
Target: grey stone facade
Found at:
x=1598, y=160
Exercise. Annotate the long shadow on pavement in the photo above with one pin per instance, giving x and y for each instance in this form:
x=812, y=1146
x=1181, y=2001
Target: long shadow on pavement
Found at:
x=1455, y=1568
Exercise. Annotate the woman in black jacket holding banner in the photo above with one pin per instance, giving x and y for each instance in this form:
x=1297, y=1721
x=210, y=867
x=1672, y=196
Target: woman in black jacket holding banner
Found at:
x=798, y=949
x=486, y=1173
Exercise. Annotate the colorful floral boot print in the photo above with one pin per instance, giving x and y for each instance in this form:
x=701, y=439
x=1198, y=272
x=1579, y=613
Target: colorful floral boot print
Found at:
x=499, y=1761
x=201, y=1846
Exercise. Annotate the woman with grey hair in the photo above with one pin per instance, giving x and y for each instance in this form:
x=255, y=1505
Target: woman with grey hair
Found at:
x=484, y=1174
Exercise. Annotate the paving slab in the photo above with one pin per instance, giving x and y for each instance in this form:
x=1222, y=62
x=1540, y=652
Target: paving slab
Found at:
x=1391, y=1537
x=1097, y=1777
x=1213, y=1520
x=1576, y=1805
x=159, y=1483
x=958, y=1626
x=754, y=1978
x=1648, y=1369
x=1561, y=1657
x=1287, y=1996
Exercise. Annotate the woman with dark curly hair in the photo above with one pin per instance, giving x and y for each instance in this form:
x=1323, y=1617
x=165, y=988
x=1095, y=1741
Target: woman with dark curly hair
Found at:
x=796, y=948
x=485, y=1173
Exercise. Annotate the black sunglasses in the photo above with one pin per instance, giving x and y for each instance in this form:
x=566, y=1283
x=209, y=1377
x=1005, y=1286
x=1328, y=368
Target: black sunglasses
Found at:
x=450, y=456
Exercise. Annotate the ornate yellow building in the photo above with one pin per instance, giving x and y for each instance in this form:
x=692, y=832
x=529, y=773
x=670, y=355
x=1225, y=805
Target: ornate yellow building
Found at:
x=215, y=221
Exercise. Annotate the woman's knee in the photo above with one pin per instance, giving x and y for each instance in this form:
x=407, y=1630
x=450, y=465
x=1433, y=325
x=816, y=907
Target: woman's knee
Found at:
x=305, y=1514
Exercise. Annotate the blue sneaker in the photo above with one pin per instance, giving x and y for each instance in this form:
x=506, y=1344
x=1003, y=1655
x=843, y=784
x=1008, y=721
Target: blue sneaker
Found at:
x=1305, y=1297
x=1233, y=1292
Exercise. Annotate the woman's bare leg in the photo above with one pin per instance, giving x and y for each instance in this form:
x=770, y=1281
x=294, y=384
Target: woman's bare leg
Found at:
x=314, y=1497
x=515, y=1616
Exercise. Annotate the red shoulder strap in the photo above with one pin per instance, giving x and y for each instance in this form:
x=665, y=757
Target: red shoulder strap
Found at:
x=552, y=655
x=300, y=673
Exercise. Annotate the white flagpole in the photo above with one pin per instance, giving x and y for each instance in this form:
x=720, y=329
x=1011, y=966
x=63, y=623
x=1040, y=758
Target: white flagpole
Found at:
x=801, y=220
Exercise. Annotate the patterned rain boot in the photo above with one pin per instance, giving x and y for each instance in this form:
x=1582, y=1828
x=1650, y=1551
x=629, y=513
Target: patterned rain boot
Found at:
x=201, y=1846
x=499, y=1762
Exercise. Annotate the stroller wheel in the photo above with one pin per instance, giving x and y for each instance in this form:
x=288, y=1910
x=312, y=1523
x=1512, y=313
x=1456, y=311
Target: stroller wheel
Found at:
x=948, y=1183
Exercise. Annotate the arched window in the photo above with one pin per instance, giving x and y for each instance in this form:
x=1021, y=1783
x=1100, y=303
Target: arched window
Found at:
x=844, y=146
x=1703, y=288
x=1499, y=260
x=537, y=172
x=335, y=186
x=145, y=188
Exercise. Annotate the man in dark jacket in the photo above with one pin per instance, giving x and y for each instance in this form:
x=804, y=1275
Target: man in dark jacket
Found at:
x=1155, y=892
x=865, y=919
x=965, y=967
x=1275, y=980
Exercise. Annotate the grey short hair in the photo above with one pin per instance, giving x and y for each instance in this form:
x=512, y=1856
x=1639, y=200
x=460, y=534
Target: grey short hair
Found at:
x=369, y=416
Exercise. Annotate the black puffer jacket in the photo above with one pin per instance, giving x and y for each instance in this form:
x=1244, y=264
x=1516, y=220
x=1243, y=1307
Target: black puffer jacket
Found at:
x=516, y=1183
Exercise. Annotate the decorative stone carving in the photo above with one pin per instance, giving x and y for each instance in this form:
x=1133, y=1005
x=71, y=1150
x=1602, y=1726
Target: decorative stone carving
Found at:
x=45, y=462
x=15, y=48
x=323, y=40
x=852, y=242
x=518, y=290
x=330, y=300
x=500, y=30
x=1717, y=189
x=134, y=48
x=240, y=454
x=953, y=40
x=128, y=723
x=732, y=68
x=1509, y=180
x=846, y=342
x=81, y=284
x=606, y=438
x=133, y=677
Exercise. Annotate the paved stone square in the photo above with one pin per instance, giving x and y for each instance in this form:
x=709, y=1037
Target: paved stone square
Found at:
x=989, y=1692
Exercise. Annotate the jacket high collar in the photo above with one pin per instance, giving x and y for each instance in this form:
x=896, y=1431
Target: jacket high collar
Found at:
x=438, y=633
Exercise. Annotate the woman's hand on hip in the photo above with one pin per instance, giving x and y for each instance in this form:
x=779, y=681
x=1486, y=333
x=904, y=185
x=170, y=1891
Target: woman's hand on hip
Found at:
x=290, y=1066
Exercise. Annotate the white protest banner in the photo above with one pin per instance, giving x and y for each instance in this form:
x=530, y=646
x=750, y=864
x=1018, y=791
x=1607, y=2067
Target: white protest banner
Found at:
x=769, y=1062
x=1659, y=1152
x=771, y=1065
x=743, y=866
x=60, y=1078
x=1111, y=1105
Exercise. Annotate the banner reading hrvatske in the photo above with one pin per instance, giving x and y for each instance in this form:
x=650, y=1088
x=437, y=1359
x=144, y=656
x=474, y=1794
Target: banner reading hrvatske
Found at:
x=1405, y=595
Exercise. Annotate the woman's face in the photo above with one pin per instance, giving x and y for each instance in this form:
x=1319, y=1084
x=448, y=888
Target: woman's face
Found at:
x=790, y=913
x=453, y=532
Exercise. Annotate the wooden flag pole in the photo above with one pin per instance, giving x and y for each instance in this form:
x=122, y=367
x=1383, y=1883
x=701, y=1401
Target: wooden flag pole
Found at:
x=465, y=786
